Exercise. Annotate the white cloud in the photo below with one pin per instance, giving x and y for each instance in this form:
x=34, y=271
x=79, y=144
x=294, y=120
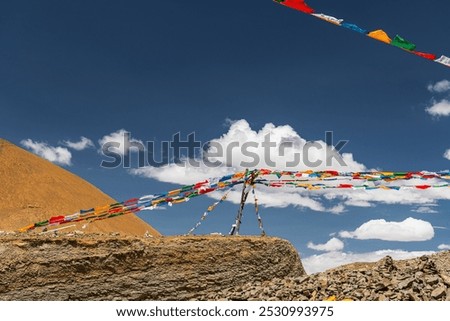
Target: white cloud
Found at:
x=447, y=154
x=242, y=147
x=405, y=196
x=322, y=262
x=233, y=159
x=119, y=142
x=57, y=155
x=444, y=247
x=410, y=229
x=439, y=87
x=277, y=198
x=338, y=209
x=332, y=245
x=357, y=202
x=181, y=173
x=425, y=210
x=81, y=145
x=287, y=144
x=440, y=108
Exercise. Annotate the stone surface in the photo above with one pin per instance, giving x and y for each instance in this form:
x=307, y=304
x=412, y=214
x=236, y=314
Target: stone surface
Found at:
x=439, y=293
x=420, y=279
x=89, y=267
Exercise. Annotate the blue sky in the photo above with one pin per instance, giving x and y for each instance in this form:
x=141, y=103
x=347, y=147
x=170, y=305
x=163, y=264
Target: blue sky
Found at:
x=91, y=68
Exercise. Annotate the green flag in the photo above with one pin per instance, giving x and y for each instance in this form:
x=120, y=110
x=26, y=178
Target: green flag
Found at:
x=402, y=43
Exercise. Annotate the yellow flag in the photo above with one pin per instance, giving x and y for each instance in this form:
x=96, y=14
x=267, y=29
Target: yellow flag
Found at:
x=380, y=35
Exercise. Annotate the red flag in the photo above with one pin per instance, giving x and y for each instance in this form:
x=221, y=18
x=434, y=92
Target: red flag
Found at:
x=299, y=5
x=56, y=219
x=424, y=55
x=423, y=186
x=345, y=186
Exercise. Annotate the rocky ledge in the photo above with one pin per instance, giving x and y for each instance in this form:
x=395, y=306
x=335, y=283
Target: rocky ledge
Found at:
x=111, y=267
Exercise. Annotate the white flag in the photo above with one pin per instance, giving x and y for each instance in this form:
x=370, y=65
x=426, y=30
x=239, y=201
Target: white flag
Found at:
x=444, y=60
x=331, y=19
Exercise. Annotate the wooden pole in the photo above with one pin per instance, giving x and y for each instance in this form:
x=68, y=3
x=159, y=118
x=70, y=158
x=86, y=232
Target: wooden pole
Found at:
x=248, y=182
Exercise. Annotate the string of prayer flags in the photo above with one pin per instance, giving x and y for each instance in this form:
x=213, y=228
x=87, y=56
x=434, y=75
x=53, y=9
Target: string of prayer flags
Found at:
x=378, y=34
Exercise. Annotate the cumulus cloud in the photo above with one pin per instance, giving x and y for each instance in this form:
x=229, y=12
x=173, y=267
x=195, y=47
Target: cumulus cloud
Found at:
x=447, y=154
x=83, y=144
x=444, y=247
x=57, y=155
x=410, y=229
x=279, y=198
x=322, y=262
x=181, y=173
x=425, y=210
x=332, y=245
x=272, y=146
x=439, y=87
x=242, y=147
x=278, y=147
x=119, y=142
x=405, y=196
x=439, y=108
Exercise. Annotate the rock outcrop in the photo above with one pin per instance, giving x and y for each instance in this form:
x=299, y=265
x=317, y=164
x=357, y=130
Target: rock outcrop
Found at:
x=92, y=267
x=111, y=267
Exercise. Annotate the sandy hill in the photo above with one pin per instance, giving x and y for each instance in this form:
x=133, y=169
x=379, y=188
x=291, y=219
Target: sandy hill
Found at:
x=34, y=189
